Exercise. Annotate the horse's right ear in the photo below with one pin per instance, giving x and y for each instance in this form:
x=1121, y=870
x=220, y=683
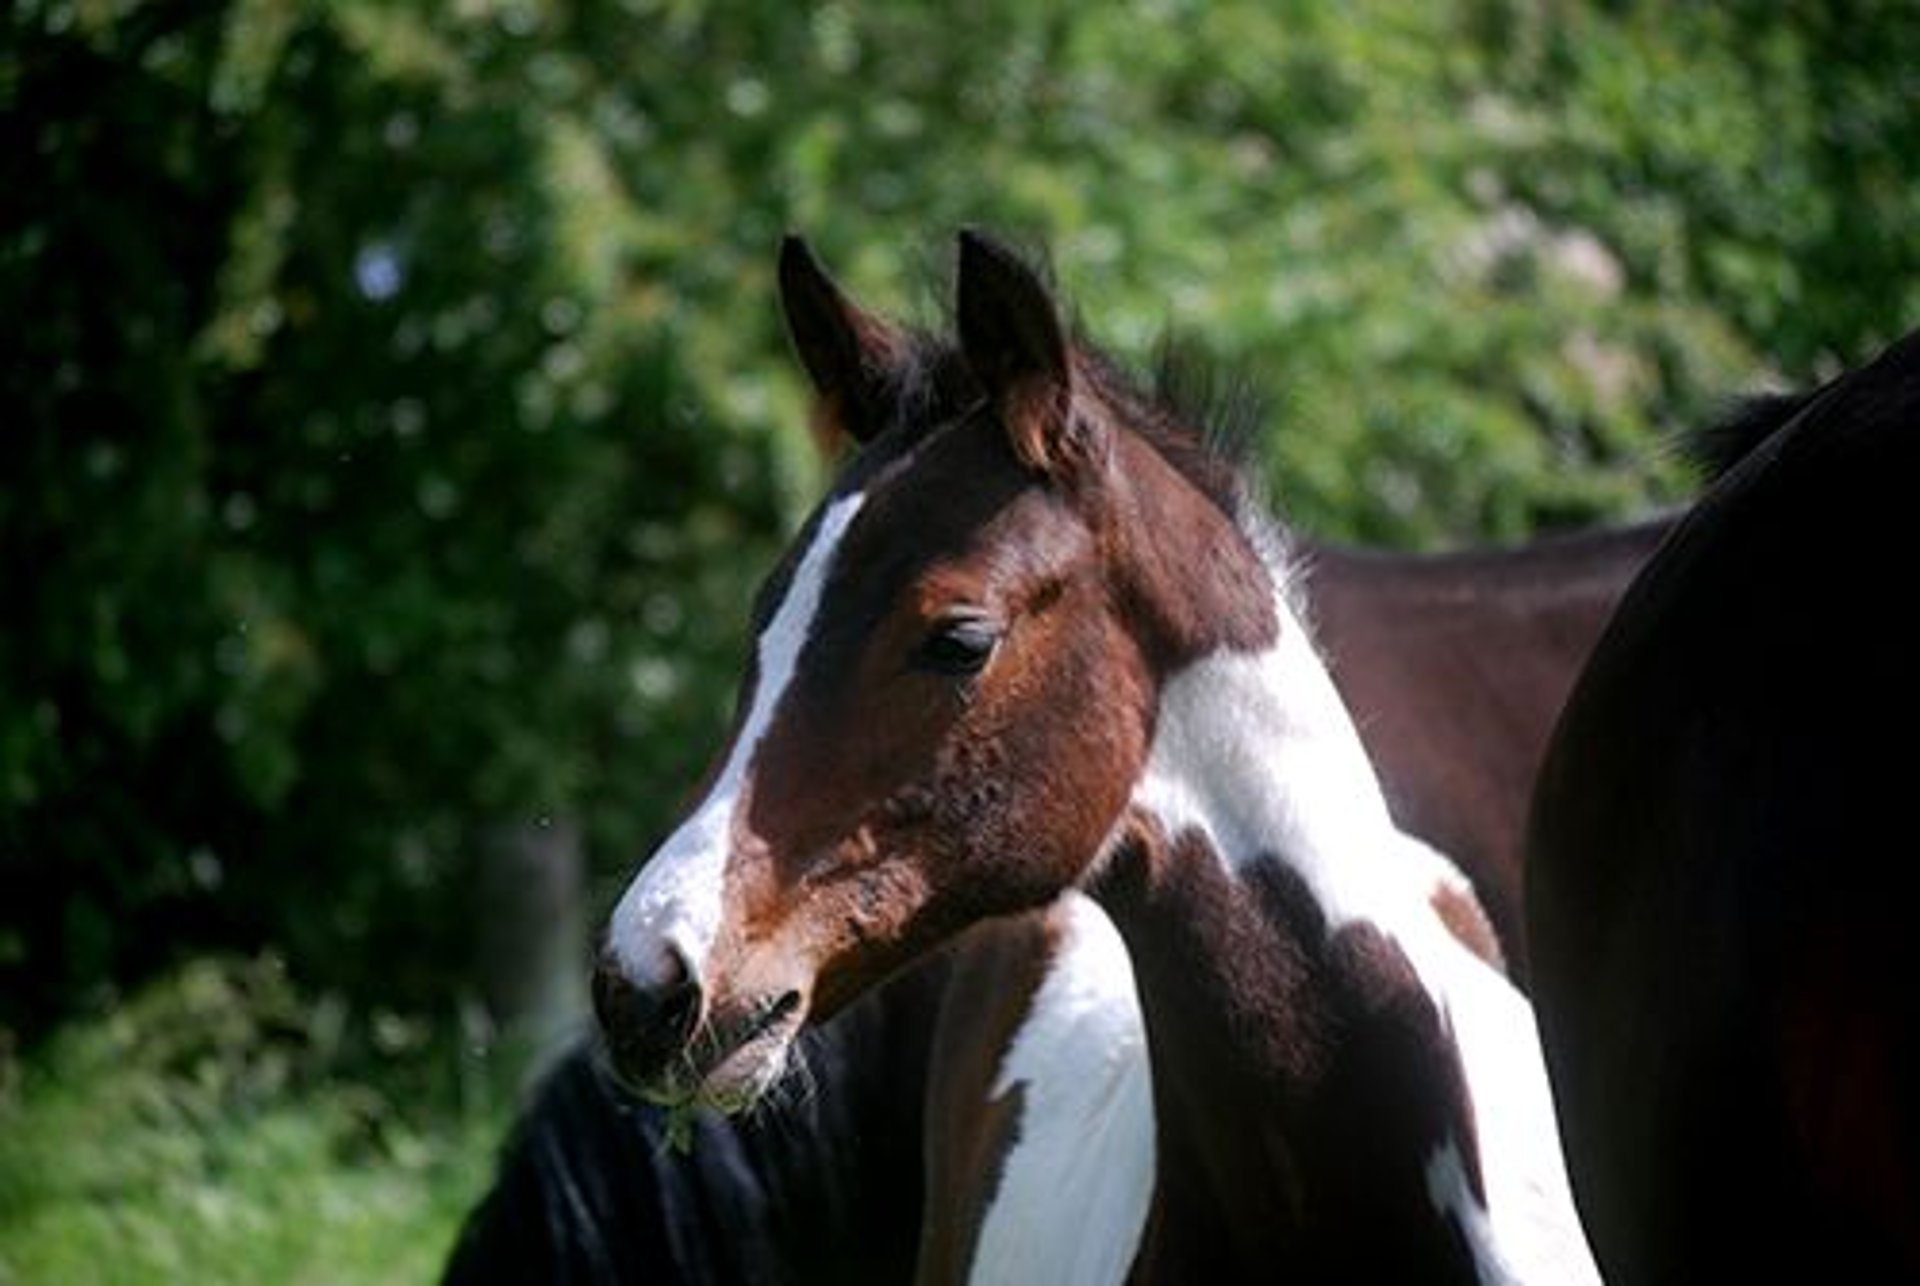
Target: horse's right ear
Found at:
x=845, y=349
x=1013, y=340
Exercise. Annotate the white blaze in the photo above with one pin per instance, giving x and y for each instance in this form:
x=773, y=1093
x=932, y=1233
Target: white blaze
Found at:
x=674, y=902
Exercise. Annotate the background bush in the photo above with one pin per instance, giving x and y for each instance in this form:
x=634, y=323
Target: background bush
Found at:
x=396, y=409
x=221, y=1127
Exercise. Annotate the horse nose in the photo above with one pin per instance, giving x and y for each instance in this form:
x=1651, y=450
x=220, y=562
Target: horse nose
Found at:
x=646, y=1024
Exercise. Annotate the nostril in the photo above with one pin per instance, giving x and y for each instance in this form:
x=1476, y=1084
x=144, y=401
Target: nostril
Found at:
x=671, y=972
x=611, y=1001
x=645, y=1024
x=679, y=1009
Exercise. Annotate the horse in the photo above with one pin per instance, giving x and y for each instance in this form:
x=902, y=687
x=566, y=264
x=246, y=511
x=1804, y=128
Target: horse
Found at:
x=1048, y=644
x=1718, y=870
x=1444, y=658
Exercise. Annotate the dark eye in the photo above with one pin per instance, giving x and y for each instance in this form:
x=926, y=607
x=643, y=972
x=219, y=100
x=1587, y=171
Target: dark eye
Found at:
x=958, y=646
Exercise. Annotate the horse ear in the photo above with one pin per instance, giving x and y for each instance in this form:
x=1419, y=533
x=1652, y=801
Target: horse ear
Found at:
x=845, y=349
x=1012, y=339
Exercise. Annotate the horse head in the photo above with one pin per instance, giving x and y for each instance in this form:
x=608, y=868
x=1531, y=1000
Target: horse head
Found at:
x=953, y=691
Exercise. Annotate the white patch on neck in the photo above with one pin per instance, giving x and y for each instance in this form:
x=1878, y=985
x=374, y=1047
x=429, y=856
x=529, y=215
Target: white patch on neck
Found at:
x=1257, y=752
x=1074, y=1192
x=674, y=902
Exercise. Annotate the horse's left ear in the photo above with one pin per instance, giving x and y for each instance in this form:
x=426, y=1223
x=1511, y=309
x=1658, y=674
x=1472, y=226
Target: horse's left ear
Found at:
x=1012, y=339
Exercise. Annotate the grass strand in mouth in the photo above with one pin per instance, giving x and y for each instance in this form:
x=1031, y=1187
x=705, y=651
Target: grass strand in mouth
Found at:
x=680, y=1108
x=679, y=1126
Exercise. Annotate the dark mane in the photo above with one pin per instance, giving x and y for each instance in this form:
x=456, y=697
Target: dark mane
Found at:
x=1716, y=449
x=1202, y=419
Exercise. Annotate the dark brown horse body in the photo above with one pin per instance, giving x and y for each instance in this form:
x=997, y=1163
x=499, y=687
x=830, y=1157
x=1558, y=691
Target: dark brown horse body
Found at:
x=1721, y=870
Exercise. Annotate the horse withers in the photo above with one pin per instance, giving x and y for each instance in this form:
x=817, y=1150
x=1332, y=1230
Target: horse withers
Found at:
x=1047, y=644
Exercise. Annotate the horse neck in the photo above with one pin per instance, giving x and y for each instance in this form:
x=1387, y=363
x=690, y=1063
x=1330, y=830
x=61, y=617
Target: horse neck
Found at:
x=1256, y=753
x=1273, y=911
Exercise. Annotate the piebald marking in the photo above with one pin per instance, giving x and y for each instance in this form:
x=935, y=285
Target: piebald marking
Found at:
x=1257, y=753
x=1072, y=1202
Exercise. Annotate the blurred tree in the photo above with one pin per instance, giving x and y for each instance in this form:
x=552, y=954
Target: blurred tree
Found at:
x=397, y=409
x=350, y=517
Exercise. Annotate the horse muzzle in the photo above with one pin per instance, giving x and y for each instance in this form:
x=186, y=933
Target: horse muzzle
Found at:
x=647, y=1026
x=671, y=1045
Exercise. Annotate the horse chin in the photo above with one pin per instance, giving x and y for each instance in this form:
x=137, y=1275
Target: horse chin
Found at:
x=730, y=1067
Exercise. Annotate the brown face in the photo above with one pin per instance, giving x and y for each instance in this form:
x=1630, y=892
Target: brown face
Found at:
x=966, y=721
x=945, y=717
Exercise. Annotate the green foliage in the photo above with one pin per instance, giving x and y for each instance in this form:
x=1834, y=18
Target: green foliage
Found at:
x=363, y=502
x=398, y=412
x=219, y=1129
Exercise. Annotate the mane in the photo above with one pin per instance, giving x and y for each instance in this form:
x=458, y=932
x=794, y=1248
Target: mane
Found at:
x=1741, y=428
x=1201, y=417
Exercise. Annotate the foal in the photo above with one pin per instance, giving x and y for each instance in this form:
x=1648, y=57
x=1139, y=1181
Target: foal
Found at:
x=1045, y=645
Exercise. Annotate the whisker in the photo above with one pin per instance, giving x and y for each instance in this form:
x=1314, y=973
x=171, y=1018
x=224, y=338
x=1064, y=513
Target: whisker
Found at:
x=795, y=1087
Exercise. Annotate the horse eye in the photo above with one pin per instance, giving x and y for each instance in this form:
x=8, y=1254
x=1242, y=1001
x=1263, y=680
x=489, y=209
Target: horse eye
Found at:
x=959, y=646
